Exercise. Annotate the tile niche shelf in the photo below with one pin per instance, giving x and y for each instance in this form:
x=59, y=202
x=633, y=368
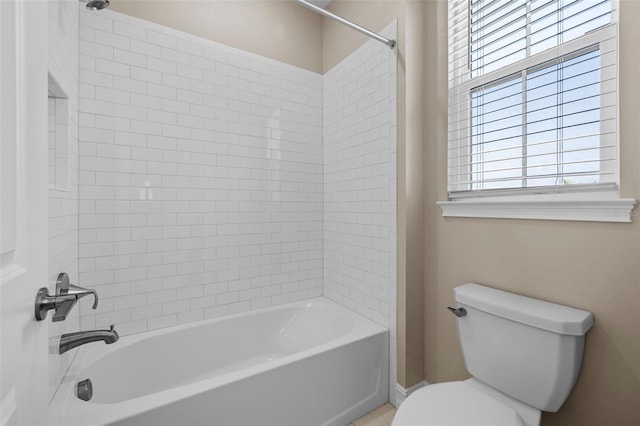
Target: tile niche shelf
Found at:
x=58, y=136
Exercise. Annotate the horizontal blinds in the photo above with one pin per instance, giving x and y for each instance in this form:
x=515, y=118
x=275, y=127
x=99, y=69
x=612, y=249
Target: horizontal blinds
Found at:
x=548, y=122
x=498, y=34
x=556, y=22
x=505, y=31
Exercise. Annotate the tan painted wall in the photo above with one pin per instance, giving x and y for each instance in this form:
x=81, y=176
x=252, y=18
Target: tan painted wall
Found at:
x=592, y=266
x=339, y=41
x=277, y=29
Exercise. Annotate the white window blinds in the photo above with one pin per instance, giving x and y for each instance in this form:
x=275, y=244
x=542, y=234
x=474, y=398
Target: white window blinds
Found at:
x=532, y=95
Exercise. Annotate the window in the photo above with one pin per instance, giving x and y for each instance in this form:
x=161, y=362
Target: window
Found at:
x=532, y=99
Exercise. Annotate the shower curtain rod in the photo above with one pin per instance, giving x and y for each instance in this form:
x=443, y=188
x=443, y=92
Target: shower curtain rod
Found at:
x=363, y=30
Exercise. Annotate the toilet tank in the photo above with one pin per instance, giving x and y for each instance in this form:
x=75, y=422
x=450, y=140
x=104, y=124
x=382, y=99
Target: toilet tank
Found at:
x=526, y=348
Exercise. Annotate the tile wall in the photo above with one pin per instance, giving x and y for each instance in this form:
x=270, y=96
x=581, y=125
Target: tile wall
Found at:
x=200, y=177
x=214, y=181
x=359, y=232
x=359, y=181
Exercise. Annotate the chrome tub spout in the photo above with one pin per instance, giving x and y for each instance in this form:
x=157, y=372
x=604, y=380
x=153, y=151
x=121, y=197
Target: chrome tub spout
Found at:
x=72, y=340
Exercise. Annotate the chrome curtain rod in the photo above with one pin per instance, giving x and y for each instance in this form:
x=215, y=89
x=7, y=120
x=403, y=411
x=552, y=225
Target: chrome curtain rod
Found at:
x=363, y=30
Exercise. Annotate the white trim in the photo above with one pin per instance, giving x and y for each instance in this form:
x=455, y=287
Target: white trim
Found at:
x=402, y=393
x=617, y=210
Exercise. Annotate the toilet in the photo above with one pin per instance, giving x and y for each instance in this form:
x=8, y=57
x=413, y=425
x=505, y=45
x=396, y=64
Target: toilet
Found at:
x=524, y=356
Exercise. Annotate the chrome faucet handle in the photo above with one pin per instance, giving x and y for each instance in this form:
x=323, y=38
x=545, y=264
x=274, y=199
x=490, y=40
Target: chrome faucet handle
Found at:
x=45, y=302
x=81, y=292
x=63, y=306
x=65, y=297
x=64, y=287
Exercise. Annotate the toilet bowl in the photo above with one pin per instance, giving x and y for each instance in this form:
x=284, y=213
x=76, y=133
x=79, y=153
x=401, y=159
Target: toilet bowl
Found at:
x=524, y=355
x=463, y=403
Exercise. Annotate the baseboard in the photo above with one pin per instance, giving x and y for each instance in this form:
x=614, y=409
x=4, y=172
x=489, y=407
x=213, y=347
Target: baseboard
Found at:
x=402, y=393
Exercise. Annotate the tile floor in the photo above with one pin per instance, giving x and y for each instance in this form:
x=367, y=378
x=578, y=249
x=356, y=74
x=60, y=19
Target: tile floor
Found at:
x=381, y=416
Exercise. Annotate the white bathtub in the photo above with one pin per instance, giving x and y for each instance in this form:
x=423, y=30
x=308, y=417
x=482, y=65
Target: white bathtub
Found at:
x=304, y=363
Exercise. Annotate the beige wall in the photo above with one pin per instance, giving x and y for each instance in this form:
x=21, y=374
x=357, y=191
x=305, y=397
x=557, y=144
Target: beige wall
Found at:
x=339, y=41
x=277, y=29
x=592, y=266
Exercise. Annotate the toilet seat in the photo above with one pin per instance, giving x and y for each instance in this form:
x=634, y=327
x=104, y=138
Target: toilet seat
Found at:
x=454, y=404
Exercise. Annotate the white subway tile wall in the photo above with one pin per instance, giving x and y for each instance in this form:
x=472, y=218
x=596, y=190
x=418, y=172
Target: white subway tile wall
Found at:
x=63, y=204
x=360, y=154
x=360, y=180
x=200, y=177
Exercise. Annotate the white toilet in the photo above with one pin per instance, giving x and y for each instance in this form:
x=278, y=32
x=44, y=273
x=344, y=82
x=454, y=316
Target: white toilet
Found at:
x=524, y=355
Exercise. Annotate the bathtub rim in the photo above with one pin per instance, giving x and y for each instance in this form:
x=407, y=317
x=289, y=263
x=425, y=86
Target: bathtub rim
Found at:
x=64, y=399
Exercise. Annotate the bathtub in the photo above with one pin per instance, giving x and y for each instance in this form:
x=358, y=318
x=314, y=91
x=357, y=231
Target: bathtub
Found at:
x=305, y=363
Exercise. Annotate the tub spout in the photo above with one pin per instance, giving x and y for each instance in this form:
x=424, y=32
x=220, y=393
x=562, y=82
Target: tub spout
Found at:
x=72, y=340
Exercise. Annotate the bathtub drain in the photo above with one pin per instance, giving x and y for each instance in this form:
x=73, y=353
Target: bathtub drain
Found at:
x=84, y=390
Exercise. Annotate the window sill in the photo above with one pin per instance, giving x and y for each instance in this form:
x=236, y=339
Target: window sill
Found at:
x=611, y=210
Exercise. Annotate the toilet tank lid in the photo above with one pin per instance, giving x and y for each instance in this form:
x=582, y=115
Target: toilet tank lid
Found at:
x=526, y=310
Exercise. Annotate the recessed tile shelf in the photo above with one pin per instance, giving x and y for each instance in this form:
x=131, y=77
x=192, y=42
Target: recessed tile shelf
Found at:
x=58, y=132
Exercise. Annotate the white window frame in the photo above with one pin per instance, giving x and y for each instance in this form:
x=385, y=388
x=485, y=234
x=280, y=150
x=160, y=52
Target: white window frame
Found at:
x=599, y=202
